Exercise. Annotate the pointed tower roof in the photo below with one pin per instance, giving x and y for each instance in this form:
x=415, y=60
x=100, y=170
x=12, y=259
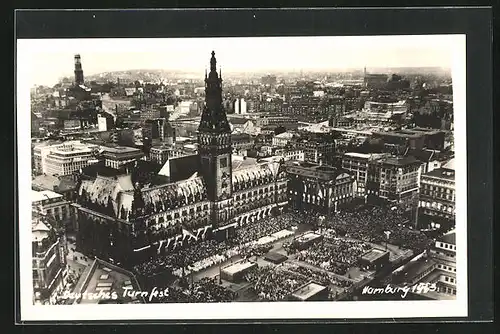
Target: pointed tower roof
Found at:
x=213, y=117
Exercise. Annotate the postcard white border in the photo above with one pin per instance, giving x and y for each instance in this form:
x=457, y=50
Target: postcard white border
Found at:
x=255, y=310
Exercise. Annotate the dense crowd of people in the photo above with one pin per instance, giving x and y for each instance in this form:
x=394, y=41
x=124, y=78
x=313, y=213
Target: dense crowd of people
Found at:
x=347, y=235
x=265, y=227
x=205, y=290
x=321, y=277
x=274, y=283
x=254, y=250
x=369, y=224
x=209, y=252
x=335, y=255
x=183, y=258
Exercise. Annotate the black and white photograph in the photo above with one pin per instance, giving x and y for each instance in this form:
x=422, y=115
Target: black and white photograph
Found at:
x=242, y=177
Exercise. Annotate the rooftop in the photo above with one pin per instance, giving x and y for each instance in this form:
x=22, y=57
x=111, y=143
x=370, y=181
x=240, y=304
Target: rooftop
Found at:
x=442, y=174
x=105, y=277
x=400, y=161
x=121, y=149
x=314, y=170
x=358, y=155
x=400, y=134
x=180, y=168
x=240, y=162
x=240, y=136
x=238, y=120
x=373, y=254
x=48, y=182
x=39, y=231
x=239, y=266
x=37, y=196
x=415, y=268
x=422, y=155
x=308, y=290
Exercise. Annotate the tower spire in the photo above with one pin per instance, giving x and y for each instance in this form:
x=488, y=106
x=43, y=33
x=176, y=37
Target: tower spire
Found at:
x=213, y=63
x=213, y=117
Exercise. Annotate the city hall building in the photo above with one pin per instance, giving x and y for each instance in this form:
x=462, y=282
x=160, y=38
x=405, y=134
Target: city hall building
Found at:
x=130, y=214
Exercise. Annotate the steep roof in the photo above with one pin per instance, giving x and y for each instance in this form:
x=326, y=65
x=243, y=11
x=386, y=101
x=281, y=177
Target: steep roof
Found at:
x=102, y=190
x=181, y=168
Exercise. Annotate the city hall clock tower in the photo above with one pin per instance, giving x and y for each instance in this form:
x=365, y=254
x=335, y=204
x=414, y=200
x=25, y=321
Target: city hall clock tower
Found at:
x=214, y=149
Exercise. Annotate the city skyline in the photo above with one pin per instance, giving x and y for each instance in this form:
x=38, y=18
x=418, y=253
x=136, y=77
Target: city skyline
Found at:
x=270, y=216
x=50, y=60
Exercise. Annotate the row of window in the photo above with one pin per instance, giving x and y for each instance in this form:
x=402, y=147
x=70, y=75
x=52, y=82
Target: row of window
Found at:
x=445, y=254
x=436, y=188
x=446, y=246
x=438, y=195
x=444, y=267
x=448, y=290
x=438, y=206
x=450, y=279
x=183, y=213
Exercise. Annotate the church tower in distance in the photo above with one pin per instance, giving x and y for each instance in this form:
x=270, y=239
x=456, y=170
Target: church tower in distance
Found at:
x=214, y=149
x=78, y=70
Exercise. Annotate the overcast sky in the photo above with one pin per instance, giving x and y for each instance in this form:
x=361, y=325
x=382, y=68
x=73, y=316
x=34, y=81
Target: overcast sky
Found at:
x=50, y=59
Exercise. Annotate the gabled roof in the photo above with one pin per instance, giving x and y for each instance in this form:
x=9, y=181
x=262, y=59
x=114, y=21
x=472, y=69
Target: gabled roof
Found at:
x=180, y=168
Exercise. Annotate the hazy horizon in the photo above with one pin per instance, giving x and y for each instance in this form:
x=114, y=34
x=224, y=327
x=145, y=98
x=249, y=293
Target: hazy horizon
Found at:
x=50, y=60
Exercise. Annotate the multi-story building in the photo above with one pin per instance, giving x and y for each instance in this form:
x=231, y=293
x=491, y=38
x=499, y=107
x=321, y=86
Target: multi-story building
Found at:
x=444, y=254
x=244, y=125
x=240, y=106
x=289, y=154
x=52, y=205
x=317, y=147
x=393, y=108
x=358, y=165
x=65, y=158
x=415, y=139
x=375, y=80
x=282, y=139
x=71, y=124
x=119, y=156
x=396, y=179
x=105, y=122
x=130, y=218
x=273, y=121
x=437, y=192
x=35, y=124
x=437, y=266
x=154, y=128
x=160, y=154
x=241, y=141
x=48, y=263
x=318, y=187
